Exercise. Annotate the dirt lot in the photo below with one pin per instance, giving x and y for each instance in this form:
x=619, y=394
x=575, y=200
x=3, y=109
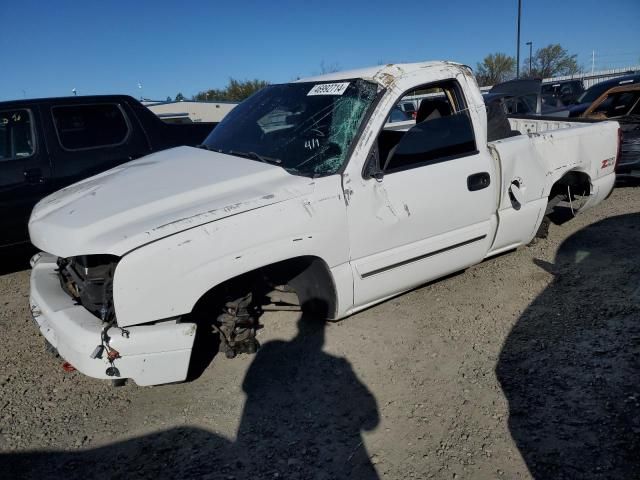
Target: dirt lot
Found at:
x=526, y=366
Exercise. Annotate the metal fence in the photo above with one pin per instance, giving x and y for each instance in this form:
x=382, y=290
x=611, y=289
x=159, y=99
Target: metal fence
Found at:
x=590, y=79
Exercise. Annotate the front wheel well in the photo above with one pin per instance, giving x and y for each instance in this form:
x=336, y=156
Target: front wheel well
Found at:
x=308, y=277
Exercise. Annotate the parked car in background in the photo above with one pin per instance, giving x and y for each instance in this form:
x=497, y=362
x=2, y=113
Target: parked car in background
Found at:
x=593, y=92
x=399, y=115
x=302, y=188
x=409, y=107
x=567, y=91
x=47, y=144
x=623, y=105
x=525, y=97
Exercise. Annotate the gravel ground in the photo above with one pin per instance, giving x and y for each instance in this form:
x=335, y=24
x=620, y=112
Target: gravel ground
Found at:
x=525, y=366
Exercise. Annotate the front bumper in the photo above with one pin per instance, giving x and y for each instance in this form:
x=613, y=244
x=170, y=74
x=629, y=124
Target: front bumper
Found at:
x=150, y=355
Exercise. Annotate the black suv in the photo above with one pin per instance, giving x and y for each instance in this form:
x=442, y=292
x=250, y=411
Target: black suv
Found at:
x=49, y=143
x=567, y=91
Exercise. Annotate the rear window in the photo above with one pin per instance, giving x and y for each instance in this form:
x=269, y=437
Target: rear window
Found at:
x=16, y=135
x=82, y=127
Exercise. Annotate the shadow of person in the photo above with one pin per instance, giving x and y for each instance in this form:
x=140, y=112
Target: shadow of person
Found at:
x=183, y=452
x=305, y=412
x=303, y=418
x=570, y=367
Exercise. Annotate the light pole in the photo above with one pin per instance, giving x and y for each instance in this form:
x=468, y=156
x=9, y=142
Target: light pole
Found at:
x=530, y=50
x=518, y=41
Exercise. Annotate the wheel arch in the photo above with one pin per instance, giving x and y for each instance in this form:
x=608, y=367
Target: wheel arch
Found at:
x=308, y=275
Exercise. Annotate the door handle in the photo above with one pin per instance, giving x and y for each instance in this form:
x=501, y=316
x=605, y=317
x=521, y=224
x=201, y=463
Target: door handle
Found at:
x=478, y=181
x=33, y=176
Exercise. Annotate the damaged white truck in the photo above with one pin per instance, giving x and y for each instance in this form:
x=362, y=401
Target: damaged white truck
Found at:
x=304, y=188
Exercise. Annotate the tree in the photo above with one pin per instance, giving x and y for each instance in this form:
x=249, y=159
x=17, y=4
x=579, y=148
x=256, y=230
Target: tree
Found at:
x=495, y=68
x=235, y=91
x=179, y=97
x=169, y=99
x=550, y=61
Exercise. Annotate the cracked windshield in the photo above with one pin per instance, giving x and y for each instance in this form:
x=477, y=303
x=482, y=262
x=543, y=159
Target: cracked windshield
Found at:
x=306, y=128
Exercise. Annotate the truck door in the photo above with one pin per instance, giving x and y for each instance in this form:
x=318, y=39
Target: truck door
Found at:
x=90, y=138
x=428, y=208
x=24, y=170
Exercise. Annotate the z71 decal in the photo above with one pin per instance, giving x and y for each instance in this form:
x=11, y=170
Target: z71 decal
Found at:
x=608, y=162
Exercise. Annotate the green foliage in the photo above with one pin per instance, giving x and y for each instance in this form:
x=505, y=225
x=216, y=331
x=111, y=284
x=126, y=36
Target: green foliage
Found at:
x=179, y=97
x=495, y=68
x=550, y=61
x=235, y=91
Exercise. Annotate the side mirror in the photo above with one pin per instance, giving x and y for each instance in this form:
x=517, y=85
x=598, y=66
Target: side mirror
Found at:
x=372, y=170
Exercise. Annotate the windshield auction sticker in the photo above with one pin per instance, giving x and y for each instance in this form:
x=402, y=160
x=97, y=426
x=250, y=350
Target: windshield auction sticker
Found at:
x=328, y=89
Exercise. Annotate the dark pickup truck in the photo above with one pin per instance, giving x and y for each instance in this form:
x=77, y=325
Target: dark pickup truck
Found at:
x=47, y=144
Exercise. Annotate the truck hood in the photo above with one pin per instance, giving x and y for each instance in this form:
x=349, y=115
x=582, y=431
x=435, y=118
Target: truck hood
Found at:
x=154, y=197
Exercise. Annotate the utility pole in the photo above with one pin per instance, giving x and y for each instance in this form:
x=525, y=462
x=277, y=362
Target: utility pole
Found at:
x=530, y=53
x=518, y=41
x=593, y=61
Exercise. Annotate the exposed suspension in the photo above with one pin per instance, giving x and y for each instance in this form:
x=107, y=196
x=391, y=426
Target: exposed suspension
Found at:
x=237, y=326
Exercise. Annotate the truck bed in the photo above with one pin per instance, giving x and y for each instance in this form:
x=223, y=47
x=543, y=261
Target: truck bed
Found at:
x=547, y=150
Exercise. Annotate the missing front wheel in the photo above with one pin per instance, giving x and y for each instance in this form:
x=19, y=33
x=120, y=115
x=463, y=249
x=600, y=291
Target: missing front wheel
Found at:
x=237, y=326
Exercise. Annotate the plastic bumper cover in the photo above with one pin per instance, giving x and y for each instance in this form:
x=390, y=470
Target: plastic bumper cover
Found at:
x=151, y=355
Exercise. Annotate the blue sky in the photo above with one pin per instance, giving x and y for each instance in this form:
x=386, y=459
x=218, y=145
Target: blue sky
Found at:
x=50, y=47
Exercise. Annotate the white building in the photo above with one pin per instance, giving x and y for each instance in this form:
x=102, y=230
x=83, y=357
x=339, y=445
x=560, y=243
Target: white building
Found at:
x=190, y=111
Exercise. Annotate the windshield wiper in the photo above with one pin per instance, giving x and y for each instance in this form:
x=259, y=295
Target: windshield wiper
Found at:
x=256, y=156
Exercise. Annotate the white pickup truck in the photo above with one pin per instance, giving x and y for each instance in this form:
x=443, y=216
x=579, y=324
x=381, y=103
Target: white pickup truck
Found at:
x=304, y=188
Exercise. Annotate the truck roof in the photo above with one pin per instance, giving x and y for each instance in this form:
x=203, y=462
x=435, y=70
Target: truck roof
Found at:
x=76, y=99
x=376, y=73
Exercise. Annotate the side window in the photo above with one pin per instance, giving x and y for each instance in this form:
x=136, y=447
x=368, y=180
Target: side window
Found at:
x=82, y=127
x=624, y=103
x=443, y=131
x=16, y=135
x=618, y=104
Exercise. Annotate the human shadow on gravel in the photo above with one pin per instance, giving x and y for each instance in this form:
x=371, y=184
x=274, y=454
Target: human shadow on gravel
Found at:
x=570, y=367
x=177, y=453
x=303, y=419
x=305, y=411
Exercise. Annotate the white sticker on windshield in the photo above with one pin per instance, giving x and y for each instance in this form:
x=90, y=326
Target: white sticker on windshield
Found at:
x=328, y=89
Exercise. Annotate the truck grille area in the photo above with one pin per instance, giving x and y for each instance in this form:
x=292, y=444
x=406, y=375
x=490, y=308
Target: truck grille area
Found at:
x=88, y=279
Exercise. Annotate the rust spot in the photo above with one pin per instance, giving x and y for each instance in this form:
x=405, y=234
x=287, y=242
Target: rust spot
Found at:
x=386, y=79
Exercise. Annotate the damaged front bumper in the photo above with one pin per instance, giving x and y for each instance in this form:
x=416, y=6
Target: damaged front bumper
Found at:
x=148, y=354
